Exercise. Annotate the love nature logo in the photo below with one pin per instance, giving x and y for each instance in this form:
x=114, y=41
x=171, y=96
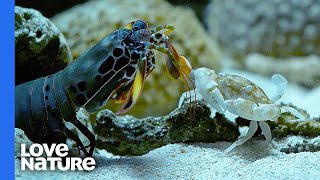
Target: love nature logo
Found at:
x=33, y=161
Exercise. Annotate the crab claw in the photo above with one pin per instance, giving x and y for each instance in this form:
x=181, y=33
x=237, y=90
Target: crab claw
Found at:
x=280, y=83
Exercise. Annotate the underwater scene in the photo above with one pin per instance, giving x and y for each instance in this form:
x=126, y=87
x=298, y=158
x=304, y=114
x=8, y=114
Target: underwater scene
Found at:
x=167, y=89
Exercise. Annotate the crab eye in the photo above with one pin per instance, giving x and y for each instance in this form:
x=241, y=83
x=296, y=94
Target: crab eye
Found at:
x=139, y=24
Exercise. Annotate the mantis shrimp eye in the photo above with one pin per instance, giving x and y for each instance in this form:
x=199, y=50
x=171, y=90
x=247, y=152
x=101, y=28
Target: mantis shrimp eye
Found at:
x=139, y=24
x=142, y=35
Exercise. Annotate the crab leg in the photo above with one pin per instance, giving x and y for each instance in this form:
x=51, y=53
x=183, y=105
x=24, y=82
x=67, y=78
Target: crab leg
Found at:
x=266, y=131
x=188, y=95
x=294, y=112
x=252, y=129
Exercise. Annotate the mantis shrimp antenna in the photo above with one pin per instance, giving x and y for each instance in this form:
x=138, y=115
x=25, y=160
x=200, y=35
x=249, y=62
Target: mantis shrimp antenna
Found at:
x=280, y=83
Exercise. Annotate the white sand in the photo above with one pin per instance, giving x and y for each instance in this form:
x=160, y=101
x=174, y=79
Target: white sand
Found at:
x=200, y=161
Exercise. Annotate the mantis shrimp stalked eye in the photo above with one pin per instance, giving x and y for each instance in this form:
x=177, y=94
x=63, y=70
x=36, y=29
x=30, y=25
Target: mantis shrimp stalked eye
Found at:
x=113, y=69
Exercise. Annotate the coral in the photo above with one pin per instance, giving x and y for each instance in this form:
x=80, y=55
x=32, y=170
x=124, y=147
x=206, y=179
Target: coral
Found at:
x=86, y=24
x=40, y=48
x=275, y=28
x=292, y=68
x=128, y=136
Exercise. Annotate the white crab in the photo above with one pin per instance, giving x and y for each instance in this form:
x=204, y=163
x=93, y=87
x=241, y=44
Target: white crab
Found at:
x=241, y=97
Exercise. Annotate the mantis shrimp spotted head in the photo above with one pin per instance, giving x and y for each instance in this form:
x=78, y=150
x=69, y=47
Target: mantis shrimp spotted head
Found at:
x=119, y=74
x=113, y=69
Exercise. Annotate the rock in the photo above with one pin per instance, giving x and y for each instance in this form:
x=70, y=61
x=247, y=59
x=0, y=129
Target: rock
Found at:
x=86, y=24
x=20, y=138
x=40, y=48
x=129, y=136
x=302, y=70
x=275, y=28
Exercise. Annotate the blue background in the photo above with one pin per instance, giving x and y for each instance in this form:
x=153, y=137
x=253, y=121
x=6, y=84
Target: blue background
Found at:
x=7, y=89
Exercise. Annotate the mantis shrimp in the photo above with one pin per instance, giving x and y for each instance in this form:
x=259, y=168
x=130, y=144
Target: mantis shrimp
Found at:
x=113, y=69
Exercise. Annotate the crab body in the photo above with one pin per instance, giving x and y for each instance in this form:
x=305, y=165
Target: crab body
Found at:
x=238, y=95
x=241, y=96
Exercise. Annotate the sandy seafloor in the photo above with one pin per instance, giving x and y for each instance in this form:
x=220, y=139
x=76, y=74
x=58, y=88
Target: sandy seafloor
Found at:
x=206, y=160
